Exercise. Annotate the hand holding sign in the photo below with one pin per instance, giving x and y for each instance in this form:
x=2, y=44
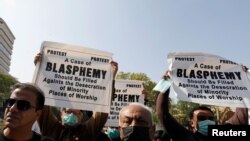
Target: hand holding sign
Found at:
x=209, y=79
x=114, y=68
x=75, y=76
x=38, y=58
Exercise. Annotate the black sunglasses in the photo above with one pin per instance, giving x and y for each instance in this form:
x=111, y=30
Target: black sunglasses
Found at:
x=22, y=105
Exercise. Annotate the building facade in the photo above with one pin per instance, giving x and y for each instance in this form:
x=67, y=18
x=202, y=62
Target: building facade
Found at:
x=6, y=46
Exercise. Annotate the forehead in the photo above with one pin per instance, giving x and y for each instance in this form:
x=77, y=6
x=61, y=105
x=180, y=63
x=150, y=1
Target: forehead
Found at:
x=24, y=95
x=203, y=113
x=72, y=110
x=135, y=111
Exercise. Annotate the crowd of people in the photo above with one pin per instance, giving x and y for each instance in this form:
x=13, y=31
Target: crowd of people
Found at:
x=25, y=107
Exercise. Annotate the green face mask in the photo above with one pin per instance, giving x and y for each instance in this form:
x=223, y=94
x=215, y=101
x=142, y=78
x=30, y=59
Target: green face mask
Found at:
x=113, y=133
x=203, y=126
x=70, y=119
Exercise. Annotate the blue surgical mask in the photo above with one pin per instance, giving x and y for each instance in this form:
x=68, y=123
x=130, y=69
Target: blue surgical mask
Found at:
x=203, y=126
x=70, y=119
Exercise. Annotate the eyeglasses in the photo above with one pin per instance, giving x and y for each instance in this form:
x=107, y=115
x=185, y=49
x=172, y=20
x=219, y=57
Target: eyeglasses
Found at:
x=22, y=105
x=201, y=117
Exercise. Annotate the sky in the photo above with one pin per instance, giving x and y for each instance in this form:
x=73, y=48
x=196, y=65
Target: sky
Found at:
x=140, y=33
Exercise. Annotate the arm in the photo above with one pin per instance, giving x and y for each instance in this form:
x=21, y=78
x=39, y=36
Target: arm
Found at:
x=38, y=58
x=245, y=69
x=98, y=120
x=144, y=93
x=174, y=129
x=47, y=121
x=240, y=117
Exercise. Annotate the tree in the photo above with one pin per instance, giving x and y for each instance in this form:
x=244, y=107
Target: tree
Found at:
x=181, y=111
x=6, y=81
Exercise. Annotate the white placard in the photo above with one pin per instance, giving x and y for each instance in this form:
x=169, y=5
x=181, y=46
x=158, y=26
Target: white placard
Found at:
x=126, y=91
x=209, y=79
x=75, y=77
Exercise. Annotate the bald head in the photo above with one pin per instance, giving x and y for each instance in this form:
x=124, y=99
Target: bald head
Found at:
x=136, y=114
x=136, y=111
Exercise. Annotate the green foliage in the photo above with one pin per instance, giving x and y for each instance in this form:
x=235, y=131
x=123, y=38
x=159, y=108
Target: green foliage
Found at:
x=181, y=111
x=155, y=118
x=1, y=124
x=6, y=81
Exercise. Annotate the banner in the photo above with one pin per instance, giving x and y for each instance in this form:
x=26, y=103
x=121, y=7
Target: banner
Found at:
x=126, y=91
x=209, y=79
x=75, y=77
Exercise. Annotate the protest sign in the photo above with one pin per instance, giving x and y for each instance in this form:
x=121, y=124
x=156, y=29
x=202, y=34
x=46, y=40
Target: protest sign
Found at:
x=209, y=79
x=75, y=77
x=126, y=91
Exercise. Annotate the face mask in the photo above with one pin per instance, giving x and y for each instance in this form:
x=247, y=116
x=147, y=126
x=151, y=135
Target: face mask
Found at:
x=70, y=119
x=203, y=126
x=136, y=133
x=113, y=133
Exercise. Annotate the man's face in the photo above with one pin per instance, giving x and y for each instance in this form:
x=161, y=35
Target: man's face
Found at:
x=200, y=115
x=76, y=112
x=15, y=116
x=136, y=116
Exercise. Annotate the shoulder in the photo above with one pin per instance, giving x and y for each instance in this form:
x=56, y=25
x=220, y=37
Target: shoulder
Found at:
x=44, y=138
x=2, y=138
x=37, y=136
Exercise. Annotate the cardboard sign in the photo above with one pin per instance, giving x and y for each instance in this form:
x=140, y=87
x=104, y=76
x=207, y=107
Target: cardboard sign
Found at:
x=75, y=77
x=209, y=79
x=127, y=91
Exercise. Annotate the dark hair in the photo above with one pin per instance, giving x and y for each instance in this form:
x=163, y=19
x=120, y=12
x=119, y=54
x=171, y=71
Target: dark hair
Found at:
x=191, y=114
x=32, y=88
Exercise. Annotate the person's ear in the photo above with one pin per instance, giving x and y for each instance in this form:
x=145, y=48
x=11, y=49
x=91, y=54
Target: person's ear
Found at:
x=62, y=113
x=191, y=123
x=39, y=113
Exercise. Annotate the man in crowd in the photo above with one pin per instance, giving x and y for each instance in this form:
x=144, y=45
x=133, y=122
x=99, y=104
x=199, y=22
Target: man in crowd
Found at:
x=23, y=108
x=200, y=118
x=136, y=123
